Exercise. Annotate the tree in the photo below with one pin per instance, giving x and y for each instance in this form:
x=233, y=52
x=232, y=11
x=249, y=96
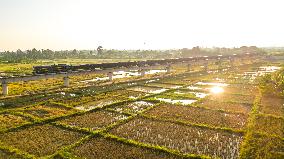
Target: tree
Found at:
x=100, y=50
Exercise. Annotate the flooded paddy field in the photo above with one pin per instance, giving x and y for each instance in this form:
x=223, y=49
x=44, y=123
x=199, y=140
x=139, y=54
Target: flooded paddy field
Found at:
x=226, y=113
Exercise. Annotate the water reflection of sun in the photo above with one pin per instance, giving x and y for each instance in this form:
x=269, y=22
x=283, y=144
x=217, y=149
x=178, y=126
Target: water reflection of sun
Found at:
x=216, y=90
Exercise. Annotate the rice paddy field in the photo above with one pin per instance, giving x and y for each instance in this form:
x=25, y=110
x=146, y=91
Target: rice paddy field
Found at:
x=183, y=114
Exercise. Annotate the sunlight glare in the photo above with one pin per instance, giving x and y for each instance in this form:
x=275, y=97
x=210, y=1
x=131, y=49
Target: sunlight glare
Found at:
x=216, y=90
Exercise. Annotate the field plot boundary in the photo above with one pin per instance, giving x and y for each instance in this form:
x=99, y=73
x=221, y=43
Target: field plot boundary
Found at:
x=246, y=146
x=244, y=134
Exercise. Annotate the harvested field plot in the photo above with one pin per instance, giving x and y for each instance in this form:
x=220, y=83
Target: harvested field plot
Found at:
x=164, y=85
x=193, y=94
x=210, y=84
x=95, y=104
x=128, y=94
x=101, y=99
x=179, y=95
x=270, y=125
x=102, y=148
x=226, y=106
x=232, y=98
x=241, y=89
x=44, y=111
x=185, y=139
x=40, y=140
x=135, y=94
x=175, y=81
x=272, y=105
x=93, y=120
x=73, y=101
x=197, y=76
x=177, y=101
x=133, y=107
x=21, y=102
x=199, y=116
x=147, y=89
x=8, y=121
x=197, y=88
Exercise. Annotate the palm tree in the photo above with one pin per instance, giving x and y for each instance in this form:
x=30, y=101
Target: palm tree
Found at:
x=100, y=50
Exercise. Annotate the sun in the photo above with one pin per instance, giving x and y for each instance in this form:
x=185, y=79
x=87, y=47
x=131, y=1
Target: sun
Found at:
x=216, y=90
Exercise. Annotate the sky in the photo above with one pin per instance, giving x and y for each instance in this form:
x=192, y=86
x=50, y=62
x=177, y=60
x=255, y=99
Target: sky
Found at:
x=140, y=24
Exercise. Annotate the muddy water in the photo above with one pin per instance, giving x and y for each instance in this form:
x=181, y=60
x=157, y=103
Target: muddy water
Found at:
x=263, y=70
x=146, y=89
x=93, y=105
x=122, y=74
x=155, y=71
x=134, y=107
x=197, y=94
x=193, y=88
x=212, y=84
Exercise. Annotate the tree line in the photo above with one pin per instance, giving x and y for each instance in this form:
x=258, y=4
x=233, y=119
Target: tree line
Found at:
x=34, y=54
